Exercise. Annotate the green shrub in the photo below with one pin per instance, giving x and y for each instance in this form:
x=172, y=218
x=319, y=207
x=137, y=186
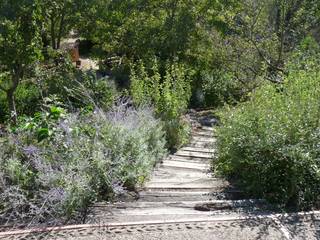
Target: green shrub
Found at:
x=87, y=157
x=27, y=97
x=170, y=95
x=76, y=89
x=88, y=90
x=220, y=87
x=271, y=143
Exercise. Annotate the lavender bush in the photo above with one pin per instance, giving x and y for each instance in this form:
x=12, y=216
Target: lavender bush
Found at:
x=88, y=158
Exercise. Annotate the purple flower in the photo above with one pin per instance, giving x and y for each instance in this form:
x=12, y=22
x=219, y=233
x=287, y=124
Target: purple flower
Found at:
x=30, y=150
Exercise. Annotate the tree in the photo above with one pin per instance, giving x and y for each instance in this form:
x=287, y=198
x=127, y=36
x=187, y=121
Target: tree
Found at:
x=20, y=45
x=142, y=29
x=59, y=18
x=274, y=28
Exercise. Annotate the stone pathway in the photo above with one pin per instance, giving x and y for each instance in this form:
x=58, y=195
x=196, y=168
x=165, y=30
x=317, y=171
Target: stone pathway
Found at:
x=183, y=200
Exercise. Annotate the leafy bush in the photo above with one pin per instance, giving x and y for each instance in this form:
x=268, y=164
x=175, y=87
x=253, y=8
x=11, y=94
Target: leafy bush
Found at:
x=170, y=95
x=75, y=88
x=220, y=87
x=271, y=143
x=27, y=99
x=87, y=157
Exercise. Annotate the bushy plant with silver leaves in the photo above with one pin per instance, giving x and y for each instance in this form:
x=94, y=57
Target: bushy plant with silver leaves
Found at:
x=89, y=157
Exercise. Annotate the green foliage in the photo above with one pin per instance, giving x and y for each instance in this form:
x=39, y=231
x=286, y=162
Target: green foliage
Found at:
x=270, y=144
x=83, y=148
x=167, y=29
x=59, y=17
x=88, y=157
x=76, y=89
x=169, y=94
x=178, y=132
x=27, y=98
x=219, y=87
x=135, y=29
x=19, y=33
x=43, y=125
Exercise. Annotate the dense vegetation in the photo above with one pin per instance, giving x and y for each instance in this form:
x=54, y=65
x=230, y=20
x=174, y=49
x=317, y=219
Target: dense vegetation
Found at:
x=271, y=143
x=70, y=136
x=85, y=157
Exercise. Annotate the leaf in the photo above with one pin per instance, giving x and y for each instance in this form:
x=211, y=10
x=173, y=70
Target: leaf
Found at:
x=42, y=134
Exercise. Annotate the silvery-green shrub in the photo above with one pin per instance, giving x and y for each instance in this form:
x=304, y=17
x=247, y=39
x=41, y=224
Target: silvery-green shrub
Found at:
x=89, y=157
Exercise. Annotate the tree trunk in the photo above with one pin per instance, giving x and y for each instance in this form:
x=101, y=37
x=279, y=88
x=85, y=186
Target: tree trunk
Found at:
x=53, y=33
x=17, y=75
x=12, y=106
x=61, y=27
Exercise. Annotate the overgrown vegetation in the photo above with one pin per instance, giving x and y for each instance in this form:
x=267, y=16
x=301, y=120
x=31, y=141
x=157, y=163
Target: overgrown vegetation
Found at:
x=270, y=144
x=56, y=164
x=66, y=142
x=169, y=94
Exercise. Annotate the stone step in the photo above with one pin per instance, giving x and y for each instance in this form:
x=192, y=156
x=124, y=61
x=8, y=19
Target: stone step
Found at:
x=185, y=153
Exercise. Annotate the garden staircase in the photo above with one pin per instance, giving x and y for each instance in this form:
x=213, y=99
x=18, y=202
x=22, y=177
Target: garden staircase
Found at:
x=183, y=200
x=182, y=188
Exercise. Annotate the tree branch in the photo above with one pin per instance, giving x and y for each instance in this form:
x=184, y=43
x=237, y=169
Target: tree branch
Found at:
x=264, y=57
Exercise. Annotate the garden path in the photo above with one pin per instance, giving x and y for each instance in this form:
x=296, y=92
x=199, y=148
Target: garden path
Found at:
x=184, y=200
